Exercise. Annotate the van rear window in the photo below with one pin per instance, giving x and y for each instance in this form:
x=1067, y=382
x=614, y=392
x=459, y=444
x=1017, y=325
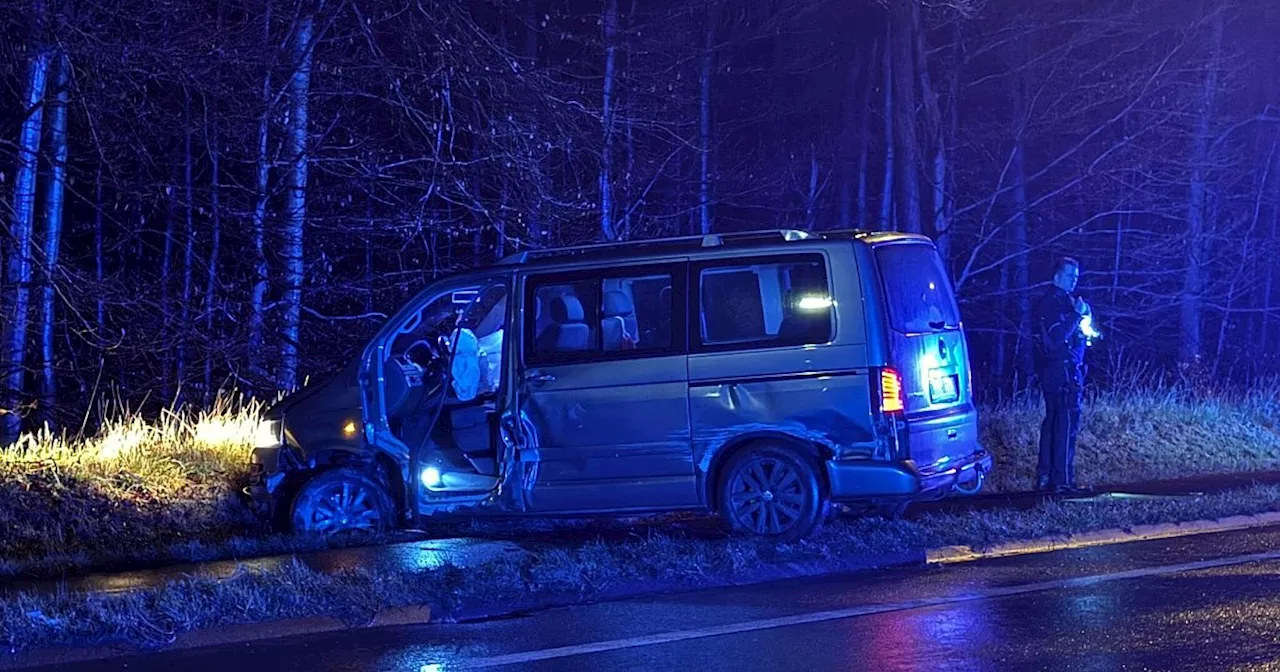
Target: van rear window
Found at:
x=918, y=290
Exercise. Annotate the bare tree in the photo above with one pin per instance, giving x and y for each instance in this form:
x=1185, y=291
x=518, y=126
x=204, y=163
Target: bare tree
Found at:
x=24, y=211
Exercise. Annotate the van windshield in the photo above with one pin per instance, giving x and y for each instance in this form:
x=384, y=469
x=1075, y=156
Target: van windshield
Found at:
x=917, y=287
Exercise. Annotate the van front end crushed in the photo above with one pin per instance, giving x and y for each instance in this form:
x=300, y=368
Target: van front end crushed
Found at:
x=269, y=468
x=867, y=480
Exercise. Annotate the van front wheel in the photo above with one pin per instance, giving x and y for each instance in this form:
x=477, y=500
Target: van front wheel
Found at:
x=341, y=500
x=774, y=492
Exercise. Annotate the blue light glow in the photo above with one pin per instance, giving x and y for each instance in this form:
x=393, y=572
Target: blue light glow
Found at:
x=431, y=477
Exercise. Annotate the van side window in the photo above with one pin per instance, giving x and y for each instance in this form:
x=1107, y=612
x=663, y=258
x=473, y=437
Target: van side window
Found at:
x=772, y=303
x=603, y=314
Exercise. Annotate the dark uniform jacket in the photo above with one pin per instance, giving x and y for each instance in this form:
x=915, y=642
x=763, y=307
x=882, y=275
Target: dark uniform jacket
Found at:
x=1059, y=343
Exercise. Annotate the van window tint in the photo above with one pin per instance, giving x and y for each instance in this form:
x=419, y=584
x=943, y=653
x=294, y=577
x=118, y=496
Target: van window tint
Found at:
x=917, y=287
x=770, y=303
x=602, y=315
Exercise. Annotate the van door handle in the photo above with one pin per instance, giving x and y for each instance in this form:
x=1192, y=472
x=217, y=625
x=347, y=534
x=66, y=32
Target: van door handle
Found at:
x=539, y=377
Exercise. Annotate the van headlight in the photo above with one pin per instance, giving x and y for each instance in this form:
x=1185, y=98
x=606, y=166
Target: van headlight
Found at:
x=268, y=434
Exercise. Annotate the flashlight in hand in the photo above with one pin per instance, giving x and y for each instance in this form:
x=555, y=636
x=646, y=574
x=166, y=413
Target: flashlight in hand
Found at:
x=1087, y=327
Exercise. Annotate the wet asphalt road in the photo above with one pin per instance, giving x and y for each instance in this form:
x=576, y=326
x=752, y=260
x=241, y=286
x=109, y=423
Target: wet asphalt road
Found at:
x=1210, y=602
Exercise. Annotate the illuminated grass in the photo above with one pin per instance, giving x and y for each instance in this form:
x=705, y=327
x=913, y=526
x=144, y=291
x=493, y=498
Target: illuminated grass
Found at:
x=134, y=488
x=572, y=573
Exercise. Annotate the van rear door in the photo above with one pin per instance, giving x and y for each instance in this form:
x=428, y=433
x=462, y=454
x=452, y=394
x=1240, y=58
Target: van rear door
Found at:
x=928, y=349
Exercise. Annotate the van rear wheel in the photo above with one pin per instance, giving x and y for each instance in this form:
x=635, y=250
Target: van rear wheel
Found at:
x=774, y=492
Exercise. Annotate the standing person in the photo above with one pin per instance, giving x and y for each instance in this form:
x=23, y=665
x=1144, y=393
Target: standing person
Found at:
x=1062, y=326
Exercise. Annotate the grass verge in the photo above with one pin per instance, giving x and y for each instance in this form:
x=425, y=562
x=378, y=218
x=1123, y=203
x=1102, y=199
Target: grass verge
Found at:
x=580, y=572
x=144, y=493
x=1144, y=432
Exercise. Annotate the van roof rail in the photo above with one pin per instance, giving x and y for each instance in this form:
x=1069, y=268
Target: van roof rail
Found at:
x=659, y=245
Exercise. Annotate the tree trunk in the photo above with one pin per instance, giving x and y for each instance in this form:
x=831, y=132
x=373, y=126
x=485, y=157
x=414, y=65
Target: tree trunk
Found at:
x=937, y=133
x=1001, y=357
x=1197, y=229
x=850, y=118
x=1121, y=222
x=53, y=207
x=628, y=186
x=1022, y=263
x=811, y=197
x=886, y=198
x=188, y=253
x=704, y=123
x=606, y=155
x=19, y=266
x=166, y=300
x=296, y=213
x=368, y=247
x=953, y=132
x=902, y=47
x=533, y=225
x=98, y=262
x=501, y=250
x=215, y=245
x=258, y=294
x=864, y=135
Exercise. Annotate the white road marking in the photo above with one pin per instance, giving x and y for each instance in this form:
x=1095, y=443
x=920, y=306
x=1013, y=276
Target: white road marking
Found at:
x=837, y=614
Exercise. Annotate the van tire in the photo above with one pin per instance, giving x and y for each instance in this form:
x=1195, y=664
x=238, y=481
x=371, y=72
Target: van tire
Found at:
x=341, y=500
x=763, y=484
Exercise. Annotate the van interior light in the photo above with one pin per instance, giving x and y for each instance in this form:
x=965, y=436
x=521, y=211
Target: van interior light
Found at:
x=814, y=302
x=431, y=477
x=349, y=429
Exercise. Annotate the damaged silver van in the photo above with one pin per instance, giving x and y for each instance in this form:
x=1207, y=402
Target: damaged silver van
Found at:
x=761, y=376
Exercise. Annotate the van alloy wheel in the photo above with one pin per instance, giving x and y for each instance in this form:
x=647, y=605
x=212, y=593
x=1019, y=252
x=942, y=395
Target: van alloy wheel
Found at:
x=774, y=492
x=340, y=500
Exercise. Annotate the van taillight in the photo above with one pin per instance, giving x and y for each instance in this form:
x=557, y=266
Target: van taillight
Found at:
x=891, y=392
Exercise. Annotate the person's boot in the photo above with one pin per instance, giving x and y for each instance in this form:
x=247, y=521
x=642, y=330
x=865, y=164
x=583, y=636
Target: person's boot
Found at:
x=1043, y=484
x=1074, y=490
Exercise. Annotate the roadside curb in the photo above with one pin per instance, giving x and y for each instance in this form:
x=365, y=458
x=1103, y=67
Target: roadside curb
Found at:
x=237, y=633
x=957, y=554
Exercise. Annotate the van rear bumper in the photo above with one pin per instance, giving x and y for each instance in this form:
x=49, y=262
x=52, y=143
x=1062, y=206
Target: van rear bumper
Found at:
x=855, y=480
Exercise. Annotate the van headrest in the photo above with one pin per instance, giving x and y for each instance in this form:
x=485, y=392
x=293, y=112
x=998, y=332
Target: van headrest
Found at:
x=618, y=304
x=566, y=309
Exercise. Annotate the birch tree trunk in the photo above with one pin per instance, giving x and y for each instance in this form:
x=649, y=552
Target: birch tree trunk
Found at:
x=53, y=208
x=296, y=198
x=17, y=308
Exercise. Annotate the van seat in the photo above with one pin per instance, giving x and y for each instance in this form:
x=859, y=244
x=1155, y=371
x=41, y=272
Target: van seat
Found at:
x=619, y=320
x=567, y=332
